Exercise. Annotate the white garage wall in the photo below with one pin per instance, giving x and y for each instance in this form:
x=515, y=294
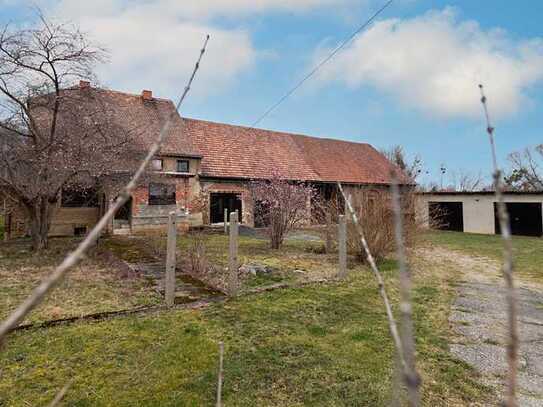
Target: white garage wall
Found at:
x=478, y=208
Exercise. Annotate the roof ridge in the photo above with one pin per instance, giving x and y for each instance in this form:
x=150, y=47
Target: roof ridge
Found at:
x=119, y=92
x=276, y=132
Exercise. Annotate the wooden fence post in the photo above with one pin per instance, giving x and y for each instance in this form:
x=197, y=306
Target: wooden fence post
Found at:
x=226, y=221
x=342, y=246
x=169, y=283
x=328, y=233
x=233, y=255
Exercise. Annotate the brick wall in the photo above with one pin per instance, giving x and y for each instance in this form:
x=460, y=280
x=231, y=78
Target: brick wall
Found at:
x=150, y=216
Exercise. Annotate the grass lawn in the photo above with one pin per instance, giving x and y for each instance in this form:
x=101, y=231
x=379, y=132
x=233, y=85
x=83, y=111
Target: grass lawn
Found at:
x=528, y=251
x=93, y=286
x=324, y=345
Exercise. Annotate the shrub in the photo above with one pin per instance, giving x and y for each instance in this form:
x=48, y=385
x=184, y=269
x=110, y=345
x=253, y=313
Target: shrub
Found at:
x=281, y=205
x=374, y=211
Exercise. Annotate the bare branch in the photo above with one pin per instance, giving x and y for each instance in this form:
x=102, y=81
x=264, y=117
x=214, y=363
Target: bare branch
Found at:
x=412, y=378
x=220, y=375
x=508, y=268
x=392, y=325
x=73, y=258
x=61, y=394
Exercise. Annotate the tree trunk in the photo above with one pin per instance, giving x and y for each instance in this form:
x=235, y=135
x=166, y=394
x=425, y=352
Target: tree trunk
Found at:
x=40, y=221
x=276, y=237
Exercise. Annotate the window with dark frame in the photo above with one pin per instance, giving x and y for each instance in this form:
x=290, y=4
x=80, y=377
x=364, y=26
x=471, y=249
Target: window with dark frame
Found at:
x=161, y=194
x=182, y=165
x=79, y=198
x=157, y=164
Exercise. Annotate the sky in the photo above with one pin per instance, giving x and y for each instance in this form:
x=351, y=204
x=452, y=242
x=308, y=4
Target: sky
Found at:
x=409, y=79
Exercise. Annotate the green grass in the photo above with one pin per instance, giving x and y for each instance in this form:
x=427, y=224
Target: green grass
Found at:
x=528, y=251
x=95, y=285
x=323, y=345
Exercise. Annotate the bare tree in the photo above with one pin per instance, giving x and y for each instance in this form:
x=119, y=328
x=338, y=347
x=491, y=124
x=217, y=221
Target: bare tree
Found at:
x=73, y=258
x=282, y=206
x=54, y=137
x=527, y=172
x=396, y=155
x=466, y=181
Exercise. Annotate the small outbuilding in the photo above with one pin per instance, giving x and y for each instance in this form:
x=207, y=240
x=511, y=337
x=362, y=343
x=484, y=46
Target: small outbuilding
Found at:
x=476, y=212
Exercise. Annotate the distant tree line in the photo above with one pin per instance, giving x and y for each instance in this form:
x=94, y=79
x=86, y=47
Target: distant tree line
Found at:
x=525, y=172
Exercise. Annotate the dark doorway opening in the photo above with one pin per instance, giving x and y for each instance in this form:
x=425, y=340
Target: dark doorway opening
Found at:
x=221, y=201
x=124, y=211
x=446, y=216
x=525, y=218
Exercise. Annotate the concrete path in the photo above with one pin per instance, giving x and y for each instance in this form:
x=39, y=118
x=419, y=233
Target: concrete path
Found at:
x=478, y=319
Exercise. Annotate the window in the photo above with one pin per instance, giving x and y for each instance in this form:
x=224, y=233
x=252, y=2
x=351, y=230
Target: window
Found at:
x=79, y=198
x=157, y=164
x=161, y=194
x=80, y=230
x=182, y=165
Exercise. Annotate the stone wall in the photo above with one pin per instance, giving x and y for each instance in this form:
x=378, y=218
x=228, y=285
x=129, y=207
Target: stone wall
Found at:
x=64, y=222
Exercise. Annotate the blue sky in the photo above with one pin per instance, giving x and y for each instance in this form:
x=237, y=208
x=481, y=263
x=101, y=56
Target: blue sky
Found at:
x=411, y=79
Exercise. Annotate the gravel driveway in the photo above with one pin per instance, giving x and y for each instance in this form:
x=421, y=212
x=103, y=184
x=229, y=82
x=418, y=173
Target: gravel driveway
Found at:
x=478, y=319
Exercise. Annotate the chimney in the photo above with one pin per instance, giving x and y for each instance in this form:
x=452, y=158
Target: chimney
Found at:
x=84, y=84
x=147, y=95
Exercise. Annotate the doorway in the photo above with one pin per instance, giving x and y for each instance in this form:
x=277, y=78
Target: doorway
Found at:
x=123, y=217
x=446, y=216
x=525, y=218
x=221, y=201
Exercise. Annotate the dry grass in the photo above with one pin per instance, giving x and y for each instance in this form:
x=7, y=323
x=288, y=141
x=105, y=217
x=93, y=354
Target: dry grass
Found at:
x=320, y=345
x=96, y=285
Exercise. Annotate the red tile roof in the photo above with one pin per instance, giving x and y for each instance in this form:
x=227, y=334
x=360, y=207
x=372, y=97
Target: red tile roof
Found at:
x=230, y=151
x=143, y=118
x=242, y=152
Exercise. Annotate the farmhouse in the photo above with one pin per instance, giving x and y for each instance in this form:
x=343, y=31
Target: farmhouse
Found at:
x=205, y=167
x=475, y=212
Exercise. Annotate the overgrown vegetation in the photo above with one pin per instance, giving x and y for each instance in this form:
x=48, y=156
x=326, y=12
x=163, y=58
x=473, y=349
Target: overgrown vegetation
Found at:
x=321, y=345
x=281, y=205
x=96, y=285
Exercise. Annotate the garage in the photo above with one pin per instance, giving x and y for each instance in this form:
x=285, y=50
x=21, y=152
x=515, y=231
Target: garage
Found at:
x=475, y=211
x=446, y=216
x=525, y=218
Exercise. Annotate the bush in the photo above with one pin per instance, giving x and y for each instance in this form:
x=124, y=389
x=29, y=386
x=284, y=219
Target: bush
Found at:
x=374, y=211
x=201, y=268
x=281, y=205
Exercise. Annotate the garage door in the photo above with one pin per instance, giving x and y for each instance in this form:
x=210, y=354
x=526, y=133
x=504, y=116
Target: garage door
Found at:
x=525, y=218
x=446, y=215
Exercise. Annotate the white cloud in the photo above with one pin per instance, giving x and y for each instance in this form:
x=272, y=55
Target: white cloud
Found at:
x=159, y=54
x=435, y=62
x=154, y=44
x=193, y=9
